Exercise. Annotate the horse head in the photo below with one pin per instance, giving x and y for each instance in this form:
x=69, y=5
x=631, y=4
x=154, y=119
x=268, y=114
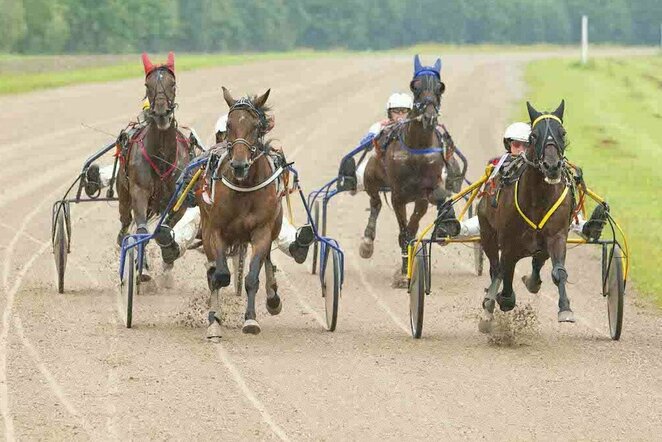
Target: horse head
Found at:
x=427, y=88
x=547, y=142
x=160, y=90
x=247, y=124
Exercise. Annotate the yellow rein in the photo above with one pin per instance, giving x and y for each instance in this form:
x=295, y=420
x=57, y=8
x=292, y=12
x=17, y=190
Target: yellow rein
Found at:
x=547, y=216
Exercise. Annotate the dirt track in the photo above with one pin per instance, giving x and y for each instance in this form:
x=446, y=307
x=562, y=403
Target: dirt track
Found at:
x=69, y=369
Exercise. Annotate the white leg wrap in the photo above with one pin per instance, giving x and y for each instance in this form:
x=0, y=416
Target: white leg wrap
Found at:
x=187, y=229
x=470, y=227
x=286, y=236
x=105, y=173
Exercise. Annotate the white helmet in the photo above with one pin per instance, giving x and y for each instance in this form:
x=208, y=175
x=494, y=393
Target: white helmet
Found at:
x=222, y=124
x=517, y=131
x=399, y=100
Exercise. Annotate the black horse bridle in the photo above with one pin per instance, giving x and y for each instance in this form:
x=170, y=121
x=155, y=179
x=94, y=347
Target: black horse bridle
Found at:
x=246, y=104
x=428, y=83
x=160, y=88
x=540, y=143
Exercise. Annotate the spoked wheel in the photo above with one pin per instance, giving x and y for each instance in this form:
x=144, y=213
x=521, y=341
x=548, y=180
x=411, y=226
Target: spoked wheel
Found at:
x=417, y=294
x=238, y=265
x=331, y=286
x=479, y=257
x=130, y=283
x=60, y=243
x=316, y=221
x=614, y=292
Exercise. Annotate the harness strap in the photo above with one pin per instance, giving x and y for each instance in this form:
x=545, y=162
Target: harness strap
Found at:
x=262, y=185
x=549, y=213
x=545, y=117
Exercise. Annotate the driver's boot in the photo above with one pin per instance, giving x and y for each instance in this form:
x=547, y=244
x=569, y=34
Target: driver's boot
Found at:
x=446, y=225
x=299, y=248
x=92, y=181
x=347, y=174
x=592, y=228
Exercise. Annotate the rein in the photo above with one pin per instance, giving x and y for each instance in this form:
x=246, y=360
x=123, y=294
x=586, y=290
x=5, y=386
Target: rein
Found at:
x=548, y=214
x=274, y=176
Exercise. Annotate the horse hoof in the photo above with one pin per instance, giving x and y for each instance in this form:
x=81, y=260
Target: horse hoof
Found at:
x=274, y=305
x=566, y=316
x=530, y=285
x=221, y=279
x=367, y=248
x=400, y=281
x=506, y=303
x=485, y=326
x=251, y=327
x=168, y=279
x=145, y=277
x=214, y=331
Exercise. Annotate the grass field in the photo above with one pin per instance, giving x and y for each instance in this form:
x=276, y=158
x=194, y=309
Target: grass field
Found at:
x=26, y=73
x=614, y=121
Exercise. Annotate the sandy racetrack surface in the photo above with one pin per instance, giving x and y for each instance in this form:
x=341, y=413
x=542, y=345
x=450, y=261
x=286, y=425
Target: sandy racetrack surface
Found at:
x=69, y=369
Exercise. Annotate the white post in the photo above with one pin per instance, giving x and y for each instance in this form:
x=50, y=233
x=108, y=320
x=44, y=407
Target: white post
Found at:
x=584, y=39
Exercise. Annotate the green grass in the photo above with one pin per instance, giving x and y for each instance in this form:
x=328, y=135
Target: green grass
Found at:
x=19, y=82
x=614, y=121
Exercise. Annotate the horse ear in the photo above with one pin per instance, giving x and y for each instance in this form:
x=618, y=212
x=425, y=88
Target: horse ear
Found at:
x=533, y=113
x=147, y=64
x=259, y=101
x=437, y=65
x=559, y=110
x=170, y=64
x=417, y=64
x=228, y=97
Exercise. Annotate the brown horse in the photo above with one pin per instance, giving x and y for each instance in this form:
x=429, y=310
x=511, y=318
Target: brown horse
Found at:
x=530, y=217
x=409, y=162
x=154, y=158
x=245, y=208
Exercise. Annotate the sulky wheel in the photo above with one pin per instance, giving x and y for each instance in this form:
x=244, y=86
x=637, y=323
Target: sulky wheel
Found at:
x=417, y=294
x=614, y=291
x=238, y=265
x=130, y=282
x=60, y=243
x=316, y=223
x=331, y=286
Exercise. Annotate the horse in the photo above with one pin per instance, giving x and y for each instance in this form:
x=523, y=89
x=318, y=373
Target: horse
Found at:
x=409, y=161
x=530, y=217
x=245, y=208
x=153, y=160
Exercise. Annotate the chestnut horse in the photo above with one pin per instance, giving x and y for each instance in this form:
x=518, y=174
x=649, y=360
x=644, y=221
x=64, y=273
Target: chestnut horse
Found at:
x=154, y=158
x=409, y=162
x=530, y=217
x=245, y=208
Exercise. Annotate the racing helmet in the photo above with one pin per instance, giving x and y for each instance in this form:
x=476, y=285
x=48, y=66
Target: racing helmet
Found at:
x=517, y=131
x=399, y=100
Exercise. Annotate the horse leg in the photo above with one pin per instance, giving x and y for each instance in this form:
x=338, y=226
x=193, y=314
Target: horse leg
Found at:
x=490, y=244
x=274, y=304
x=506, y=298
x=140, y=204
x=125, y=212
x=368, y=243
x=533, y=281
x=218, y=276
x=260, y=244
x=400, y=208
x=420, y=209
x=556, y=246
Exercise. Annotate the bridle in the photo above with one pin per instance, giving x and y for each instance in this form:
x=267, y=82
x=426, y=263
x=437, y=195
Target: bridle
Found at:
x=160, y=89
x=246, y=104
x=428, y=78
x=540, y=144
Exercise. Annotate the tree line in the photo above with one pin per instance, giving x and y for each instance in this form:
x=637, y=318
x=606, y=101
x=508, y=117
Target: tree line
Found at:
x=122, y=26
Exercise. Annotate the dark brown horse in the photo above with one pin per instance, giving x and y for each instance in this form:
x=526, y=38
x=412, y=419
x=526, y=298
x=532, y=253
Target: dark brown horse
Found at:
x=409, y=161
x=530, y=217
x=246, y=208
x=153, y=160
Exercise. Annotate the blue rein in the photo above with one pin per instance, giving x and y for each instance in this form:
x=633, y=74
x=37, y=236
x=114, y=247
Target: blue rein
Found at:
x=427, y=150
